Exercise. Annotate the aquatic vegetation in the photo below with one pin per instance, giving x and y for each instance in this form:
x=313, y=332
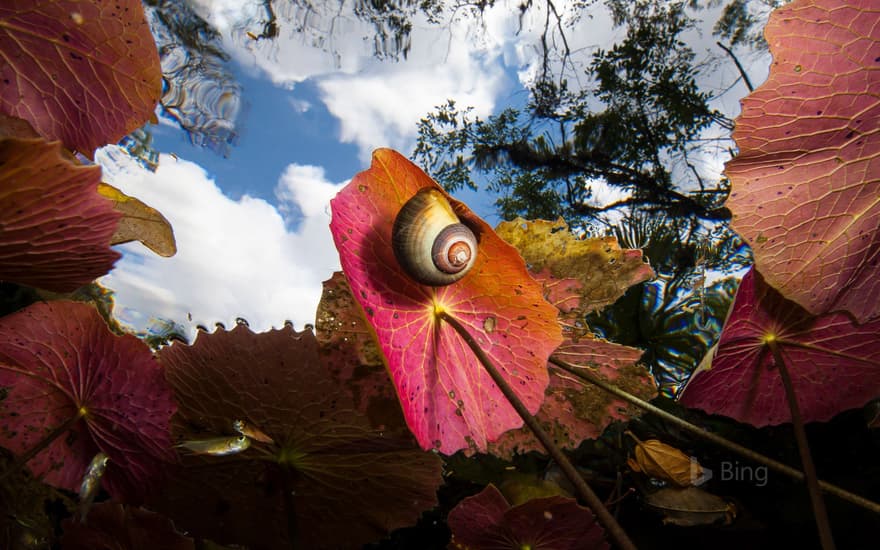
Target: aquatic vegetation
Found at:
x=327, y=479
x=832, y=360
x=83, y=73
x=805, y=181
x=489, y=522
x=113, y=525
x=449, y=401
x=56, y=228
x=72, y=389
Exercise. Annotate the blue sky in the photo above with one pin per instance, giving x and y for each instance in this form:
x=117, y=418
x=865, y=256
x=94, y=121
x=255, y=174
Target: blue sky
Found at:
x=252, y=228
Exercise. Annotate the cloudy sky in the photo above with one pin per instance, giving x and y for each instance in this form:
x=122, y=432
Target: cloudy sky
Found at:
x=252, y=228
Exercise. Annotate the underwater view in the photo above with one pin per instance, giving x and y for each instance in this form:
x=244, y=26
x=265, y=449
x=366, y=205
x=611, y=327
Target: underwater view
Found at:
x=495, y=275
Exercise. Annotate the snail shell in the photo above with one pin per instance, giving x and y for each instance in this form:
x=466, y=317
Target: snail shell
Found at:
x=430, y=242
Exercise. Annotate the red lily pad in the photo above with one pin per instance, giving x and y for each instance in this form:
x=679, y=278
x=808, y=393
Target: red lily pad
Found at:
x=487, y=522
x=55, y=228
x=807, y=176
x=448, y=399
x=575, y=410
x=112, y=526
x=349, y=351
x=59, y=362
x=834, y=363
x=85, y=73
x=327, y=479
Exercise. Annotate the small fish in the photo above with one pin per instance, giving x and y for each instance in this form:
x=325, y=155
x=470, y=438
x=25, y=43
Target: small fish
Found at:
x=90, y=484
x=252, y=36
x=217, y=446
x=246, y=428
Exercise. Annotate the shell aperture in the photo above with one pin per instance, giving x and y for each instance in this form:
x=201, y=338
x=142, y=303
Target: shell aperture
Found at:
x=430, y=242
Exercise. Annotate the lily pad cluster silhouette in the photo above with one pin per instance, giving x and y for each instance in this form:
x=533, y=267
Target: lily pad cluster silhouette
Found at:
x=60, y=365
x=834, y=362
x=55, y=229
x=112, y=526
x=807, y=176
x=486, y=521
x=85, y=73
x=448, y=399
x=328, y=480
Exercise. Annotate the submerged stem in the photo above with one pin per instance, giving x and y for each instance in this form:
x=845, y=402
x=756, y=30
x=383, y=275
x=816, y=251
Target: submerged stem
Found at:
x=615, y=531
x=585, y=374
x=25, y=457
x=803, y=447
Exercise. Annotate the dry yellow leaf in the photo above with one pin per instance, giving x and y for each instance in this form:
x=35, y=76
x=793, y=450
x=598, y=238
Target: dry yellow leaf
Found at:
x=661, y=461
x=602, y=270
x=140, y=222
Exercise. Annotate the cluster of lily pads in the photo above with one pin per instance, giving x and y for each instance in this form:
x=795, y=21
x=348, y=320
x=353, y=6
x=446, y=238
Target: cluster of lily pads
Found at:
x=344, y=426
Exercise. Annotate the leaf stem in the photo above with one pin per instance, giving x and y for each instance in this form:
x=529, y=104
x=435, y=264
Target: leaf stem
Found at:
x=586, y=375
x=615, y=531
x=803, y=447
x=25, y=457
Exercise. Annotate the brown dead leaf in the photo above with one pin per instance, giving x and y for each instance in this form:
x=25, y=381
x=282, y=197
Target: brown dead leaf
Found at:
x=661, y=461
x=691, y=506
x=140, y=222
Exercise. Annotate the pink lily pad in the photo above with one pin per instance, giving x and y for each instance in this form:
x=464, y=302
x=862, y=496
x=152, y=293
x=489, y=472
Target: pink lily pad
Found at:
x=448, y=399
x=834, y=363
x=85, y=73
x=55, y=228
x=487, y=522
x=59, y=362
x=807, y=176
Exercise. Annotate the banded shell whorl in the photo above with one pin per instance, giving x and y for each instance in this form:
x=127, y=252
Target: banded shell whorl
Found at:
x=430, y=242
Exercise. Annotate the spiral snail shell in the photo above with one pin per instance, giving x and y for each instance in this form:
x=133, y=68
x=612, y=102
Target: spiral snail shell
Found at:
x=430, y=242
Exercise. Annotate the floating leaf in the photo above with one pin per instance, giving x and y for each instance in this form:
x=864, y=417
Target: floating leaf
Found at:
x=85, y=73
x=487, y=522
x=806, y=179
x=140, y=222
x=349, y=351
x=664, y=462
x=833, y=362
x=60, y=363
x=112, y=526
x=54, y=227
x=448, y=399
x=691, y=506
x=327, y=481
x=574, y=410
x=584, y=274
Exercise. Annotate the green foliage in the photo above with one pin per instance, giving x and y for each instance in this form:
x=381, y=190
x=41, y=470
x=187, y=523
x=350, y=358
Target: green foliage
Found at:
x=642, y=118
x=741, y=23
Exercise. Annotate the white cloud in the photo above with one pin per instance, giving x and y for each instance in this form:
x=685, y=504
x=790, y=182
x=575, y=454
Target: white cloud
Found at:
x=381, y=106
x=235, y=258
